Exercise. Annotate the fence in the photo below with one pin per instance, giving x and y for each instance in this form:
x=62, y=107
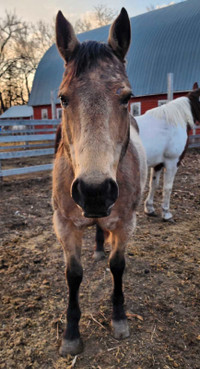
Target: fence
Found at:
x=25, y=139
x=194, y=138
x=28, y=138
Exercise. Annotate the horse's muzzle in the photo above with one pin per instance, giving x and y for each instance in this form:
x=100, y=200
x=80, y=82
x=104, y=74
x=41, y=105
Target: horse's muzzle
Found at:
x=96, y=200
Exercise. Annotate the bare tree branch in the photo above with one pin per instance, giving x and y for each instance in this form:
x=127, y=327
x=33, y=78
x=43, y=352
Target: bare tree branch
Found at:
x=21, y=47
x=100, y=16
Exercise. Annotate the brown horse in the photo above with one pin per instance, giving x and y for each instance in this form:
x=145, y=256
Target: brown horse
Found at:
x=100, y=166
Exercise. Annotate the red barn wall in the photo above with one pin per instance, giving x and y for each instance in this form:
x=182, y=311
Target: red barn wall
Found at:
x=147, y=102
x=38, y=111
x=150, y=102
x=37, y=114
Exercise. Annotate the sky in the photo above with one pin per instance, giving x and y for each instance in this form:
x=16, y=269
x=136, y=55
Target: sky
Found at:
x=46, y=10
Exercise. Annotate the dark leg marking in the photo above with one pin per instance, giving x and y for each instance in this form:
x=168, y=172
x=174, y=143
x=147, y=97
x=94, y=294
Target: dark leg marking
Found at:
x=99, y=238
x=158, y=167
x=117, y=267
x=99, y=249
x=71, y=343
x=119, y=320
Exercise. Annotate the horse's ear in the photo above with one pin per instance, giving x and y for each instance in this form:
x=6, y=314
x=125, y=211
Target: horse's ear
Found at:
x=65, y=37
x=195, y=86
x=120, y=34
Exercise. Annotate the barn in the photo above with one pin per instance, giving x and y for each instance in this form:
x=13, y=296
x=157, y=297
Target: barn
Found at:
x=18, y=112
x=164, y=41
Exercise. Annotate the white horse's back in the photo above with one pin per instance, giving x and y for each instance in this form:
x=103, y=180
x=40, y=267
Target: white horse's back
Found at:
x=161, y=140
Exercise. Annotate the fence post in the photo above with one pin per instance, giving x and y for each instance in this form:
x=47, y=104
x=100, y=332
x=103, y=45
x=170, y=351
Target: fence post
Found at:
x=1, y=174
x=170, y=80
x=53, y=105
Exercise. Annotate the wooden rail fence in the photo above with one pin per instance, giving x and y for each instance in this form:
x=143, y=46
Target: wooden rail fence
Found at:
x=32, y=138
x=25, y=139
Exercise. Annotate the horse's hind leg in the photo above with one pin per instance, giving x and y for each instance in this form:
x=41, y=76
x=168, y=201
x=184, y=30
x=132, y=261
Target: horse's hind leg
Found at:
x=169, y=174
x=71, y=239
x=99, y=249
x=117, y=266
x=153, y=185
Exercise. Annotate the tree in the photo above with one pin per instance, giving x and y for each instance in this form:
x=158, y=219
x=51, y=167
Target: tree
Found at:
x=100, y=16
x=104, y=15
x=10, y=27
x=153, y=7
x=21, y=47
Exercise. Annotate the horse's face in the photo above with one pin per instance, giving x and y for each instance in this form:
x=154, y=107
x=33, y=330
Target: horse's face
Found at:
x=194, y=97
x=94, y=94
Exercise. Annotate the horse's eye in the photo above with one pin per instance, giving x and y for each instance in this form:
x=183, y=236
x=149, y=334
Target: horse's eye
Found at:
x=125, y=99
x=64, y=101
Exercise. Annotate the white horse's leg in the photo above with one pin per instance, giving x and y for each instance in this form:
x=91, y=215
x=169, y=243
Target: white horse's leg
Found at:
x=169, y=174
x=153, y=185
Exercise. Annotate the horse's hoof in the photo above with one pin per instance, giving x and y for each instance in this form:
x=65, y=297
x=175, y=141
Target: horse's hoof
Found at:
x=98, y=255
x=152, y=214
x=120, y=329
x=169, y=220
x=72, y=347
x=167, y=216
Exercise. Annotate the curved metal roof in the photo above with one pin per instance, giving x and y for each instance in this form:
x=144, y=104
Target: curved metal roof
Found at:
x=163, y=41
x=18, y=111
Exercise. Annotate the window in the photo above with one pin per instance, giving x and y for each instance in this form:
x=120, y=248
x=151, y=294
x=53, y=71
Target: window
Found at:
x=162, y=102
x=59, y=113
x=44, y=114
x=135, y=108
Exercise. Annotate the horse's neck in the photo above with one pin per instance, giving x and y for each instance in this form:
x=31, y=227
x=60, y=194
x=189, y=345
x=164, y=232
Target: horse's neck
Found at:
x=174, y=112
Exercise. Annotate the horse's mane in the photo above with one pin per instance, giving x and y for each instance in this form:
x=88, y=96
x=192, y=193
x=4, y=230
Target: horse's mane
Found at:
x=175, y=112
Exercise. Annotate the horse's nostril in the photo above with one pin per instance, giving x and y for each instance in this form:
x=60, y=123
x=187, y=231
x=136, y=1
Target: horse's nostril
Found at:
x=111, y=190
x=76, y=191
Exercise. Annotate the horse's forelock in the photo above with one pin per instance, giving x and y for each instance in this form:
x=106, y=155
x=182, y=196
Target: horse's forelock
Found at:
x=87, y=55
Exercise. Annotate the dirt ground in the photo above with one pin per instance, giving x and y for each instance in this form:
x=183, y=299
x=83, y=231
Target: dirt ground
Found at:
x=161, y=284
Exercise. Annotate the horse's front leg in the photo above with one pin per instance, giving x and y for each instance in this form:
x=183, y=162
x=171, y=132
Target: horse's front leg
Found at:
x=71, y=240
x=117, y=266
x=153, y=185
x=169, y=174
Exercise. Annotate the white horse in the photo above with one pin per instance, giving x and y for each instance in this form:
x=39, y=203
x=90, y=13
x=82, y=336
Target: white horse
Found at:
x=17, y=129
x=164, y=133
